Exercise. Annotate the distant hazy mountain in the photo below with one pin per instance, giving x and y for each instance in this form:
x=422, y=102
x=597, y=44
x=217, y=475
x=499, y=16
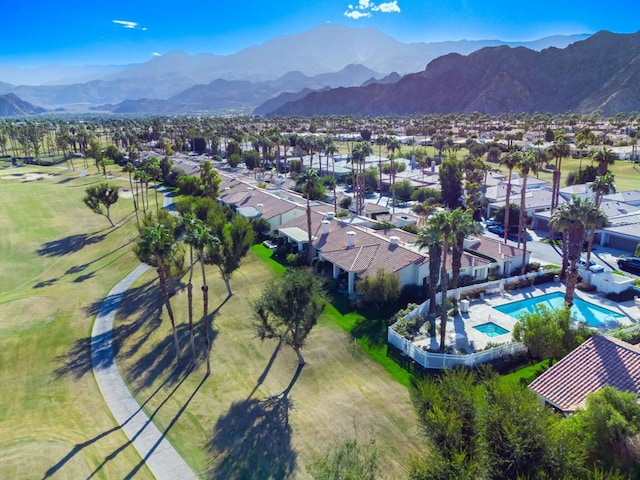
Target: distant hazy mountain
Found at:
x=224, y=96
x=12, y=106
x=599, y=73
x=56, y=74
x=328, y=48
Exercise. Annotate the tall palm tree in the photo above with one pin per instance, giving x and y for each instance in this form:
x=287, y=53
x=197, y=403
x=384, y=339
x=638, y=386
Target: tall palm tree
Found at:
x=572, y=219
x=463, y=225
x=188, y=222
x=130, y=169
x=430, y=236
x=510, y=160
x=559, y=150
x=393, y=144
x=603, y=157
x=601, y=186
x=331, y=149
x=310, y=179
x=155, y=246
x=528, y=164
x=202, y=238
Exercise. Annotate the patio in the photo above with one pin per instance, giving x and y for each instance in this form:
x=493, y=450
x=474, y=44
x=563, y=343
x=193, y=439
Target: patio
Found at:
x=464, y=336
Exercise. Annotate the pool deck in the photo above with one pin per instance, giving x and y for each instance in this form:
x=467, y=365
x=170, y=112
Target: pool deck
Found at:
x=462, y=335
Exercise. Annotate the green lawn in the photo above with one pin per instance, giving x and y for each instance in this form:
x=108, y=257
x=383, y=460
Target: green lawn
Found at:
x=257, y=415
x=57, y=261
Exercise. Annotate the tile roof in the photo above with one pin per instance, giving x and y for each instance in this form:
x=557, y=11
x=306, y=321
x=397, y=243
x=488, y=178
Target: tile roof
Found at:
x=493, y=248
x=369, y=253
x=598, y=362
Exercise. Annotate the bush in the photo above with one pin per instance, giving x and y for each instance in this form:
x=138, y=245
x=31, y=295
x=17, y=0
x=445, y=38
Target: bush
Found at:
x=345, y=202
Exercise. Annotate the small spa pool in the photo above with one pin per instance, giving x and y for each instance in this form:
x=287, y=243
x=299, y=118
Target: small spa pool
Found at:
x=490, y=329
x=585, y=312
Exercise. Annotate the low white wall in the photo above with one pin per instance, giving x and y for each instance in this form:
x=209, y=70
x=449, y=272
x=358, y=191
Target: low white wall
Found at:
x=608, y=282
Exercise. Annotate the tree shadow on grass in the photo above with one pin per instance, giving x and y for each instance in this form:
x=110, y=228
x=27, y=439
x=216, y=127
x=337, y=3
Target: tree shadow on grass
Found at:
x=68, y=245
x=80, y=446
x=253, y=439
x=77, y=361
x=79, y=268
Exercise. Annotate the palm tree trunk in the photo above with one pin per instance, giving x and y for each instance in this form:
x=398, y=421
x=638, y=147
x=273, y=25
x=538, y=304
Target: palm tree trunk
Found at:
x=507, y=209
x=205, y=310
x=167, y=302
x=190, y=305
x=444, y=279
x=523, y=225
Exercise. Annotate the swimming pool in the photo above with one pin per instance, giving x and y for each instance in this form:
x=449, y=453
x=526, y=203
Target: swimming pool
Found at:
x=490, y=329
x=586, y=312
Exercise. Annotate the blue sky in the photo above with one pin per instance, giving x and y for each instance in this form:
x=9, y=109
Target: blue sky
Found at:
x=37, y=32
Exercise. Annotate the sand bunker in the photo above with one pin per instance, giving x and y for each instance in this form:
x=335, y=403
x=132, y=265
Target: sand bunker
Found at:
x=27, y=177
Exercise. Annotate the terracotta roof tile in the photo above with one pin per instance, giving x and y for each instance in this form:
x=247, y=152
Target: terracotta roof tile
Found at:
x=598, y=362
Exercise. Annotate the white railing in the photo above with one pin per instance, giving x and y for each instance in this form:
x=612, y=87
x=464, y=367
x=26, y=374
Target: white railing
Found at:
x=444, y=361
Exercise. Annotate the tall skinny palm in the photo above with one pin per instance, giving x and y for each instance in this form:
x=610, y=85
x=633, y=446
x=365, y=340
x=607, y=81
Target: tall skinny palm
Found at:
x=393, y=144
x=601, y=186
x=310, y=179
x=528, y=164
x=572, y=219
x=430, y=236
x=189, y=221
x=510, y=160
x=202, y=237
x=462, y=226
x=331, y=149
x=156, y=246
x=559, y=150
x=130, y=169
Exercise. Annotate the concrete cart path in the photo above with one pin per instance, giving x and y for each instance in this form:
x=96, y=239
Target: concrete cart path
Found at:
x=156, y=451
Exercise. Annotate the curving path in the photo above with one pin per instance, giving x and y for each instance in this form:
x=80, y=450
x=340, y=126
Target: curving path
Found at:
x=156, y=451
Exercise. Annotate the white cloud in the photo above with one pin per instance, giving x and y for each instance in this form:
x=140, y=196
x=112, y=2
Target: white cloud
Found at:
x=389, y=7
x=355, y=14
x=156, y=54
x=364, y=9
x=129, y=25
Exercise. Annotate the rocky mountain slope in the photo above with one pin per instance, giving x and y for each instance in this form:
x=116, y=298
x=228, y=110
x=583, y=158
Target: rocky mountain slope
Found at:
x=599, y=73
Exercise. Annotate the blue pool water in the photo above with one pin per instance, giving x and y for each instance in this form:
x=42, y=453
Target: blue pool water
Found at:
x=490, y=329
x=589, y=313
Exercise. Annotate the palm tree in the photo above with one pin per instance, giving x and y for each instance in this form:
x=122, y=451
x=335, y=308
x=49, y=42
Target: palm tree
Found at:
x=559, y=150
x=528, y=164
x=201, y=238
x=188, y=222
x=572, y=219
x=463, y=225
x=310, y=179
x=511, y=161
x=393, y=144
x=130, y=169
x=155, y=246
x=601, y=186
x=604, y=157
x=430, y=236
x=331, y=149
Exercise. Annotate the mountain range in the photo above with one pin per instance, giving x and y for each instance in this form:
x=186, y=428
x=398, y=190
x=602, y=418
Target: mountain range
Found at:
x=327, y=56
x=600, y=73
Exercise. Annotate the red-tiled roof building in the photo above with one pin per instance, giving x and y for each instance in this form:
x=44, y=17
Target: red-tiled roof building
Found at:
x=598, y=362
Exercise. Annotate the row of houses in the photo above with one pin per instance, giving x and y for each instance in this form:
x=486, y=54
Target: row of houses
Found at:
x=349, y=248
x=622, y=209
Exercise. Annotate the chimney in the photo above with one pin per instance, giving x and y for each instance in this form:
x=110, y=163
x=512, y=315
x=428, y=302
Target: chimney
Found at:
x=249, y=191
x=259, y=207
x=394, y=240
x=325, y=226
x=330, y=215
x=351, y=239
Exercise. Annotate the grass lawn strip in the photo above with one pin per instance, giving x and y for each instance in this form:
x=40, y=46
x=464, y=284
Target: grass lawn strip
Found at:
x=57, y=261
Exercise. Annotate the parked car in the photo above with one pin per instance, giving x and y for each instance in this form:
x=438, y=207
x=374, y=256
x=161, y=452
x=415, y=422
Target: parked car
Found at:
x=593, y=266
x=512, y=235
x=629, y=264
x=495, y=228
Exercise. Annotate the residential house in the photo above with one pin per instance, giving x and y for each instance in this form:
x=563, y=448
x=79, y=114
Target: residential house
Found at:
x=598, y=362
